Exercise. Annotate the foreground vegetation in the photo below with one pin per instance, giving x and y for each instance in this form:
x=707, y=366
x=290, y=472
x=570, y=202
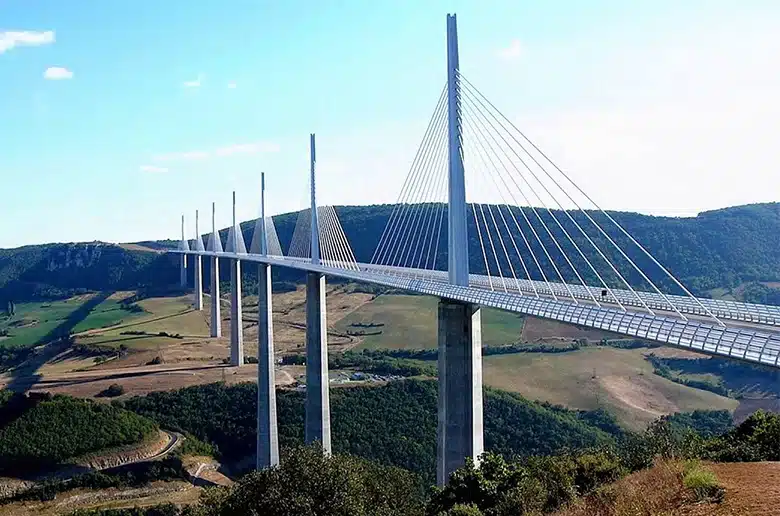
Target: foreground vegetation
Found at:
x=583, y=482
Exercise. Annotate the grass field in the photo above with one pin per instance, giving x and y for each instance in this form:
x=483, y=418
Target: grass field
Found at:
x=618, y=380
x=410, y=323
x=35, y=323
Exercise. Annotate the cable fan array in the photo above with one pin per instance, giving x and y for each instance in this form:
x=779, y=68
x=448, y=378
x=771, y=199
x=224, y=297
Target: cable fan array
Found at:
x=413, y=236
x=335, y=250
x=531, y=228
x=272, y=238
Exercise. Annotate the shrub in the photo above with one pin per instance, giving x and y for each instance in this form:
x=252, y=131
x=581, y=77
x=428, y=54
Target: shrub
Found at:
x=112, y=391
x=592, y=470
x=307, y=481
x=702, y=482
x=464, y=510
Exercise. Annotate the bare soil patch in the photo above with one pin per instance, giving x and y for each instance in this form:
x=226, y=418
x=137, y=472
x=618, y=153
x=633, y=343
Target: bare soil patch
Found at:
x=145, y=379
x=639, y=394
x=752, y=489
x=177, y=492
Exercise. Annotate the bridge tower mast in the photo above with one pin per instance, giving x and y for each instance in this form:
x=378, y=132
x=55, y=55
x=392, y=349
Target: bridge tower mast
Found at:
x=460, y=328
x=215, y=246
x=236, y=246
x=198, y=259
x=267, y=431
x=317, y=383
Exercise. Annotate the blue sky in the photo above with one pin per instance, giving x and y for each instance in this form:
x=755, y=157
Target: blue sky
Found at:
x=118, y=116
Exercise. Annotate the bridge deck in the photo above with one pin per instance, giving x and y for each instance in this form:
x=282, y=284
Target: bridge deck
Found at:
x=758, y=344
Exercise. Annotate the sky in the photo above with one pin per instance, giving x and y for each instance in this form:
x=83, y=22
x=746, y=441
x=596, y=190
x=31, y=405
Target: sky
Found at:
x=116, y=117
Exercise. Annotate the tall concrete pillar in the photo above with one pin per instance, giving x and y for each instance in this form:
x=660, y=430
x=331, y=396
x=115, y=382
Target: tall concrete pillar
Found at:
x=267, y=432
x=236, y=315
x=216, y=309
x=460, y=387
x=198, y=282
x=317, y=384
x=183, y=270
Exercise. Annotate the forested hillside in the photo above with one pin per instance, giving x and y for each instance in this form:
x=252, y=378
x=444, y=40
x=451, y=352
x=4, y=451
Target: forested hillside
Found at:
x=39, y=430
x=62, y=270
x=722, y=248
x=394, y=424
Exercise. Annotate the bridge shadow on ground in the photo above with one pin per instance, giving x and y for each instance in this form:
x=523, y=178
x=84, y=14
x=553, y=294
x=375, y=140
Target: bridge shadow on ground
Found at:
x=25, y=375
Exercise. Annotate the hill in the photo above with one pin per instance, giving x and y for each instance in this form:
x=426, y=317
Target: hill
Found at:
x=55, y=271
x=394, y=424
x=722, y=249
x=41, y=431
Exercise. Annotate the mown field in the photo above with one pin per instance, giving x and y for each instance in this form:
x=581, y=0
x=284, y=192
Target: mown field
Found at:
x=618, y=380
x=37, y=323
x=409, y=322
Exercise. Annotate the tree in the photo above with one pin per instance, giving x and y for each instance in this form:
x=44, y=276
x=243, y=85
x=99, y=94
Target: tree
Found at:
x=308, y=483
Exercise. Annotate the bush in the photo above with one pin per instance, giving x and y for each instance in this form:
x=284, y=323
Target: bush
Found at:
x=307, y=481
x=464, y=510
x=702, y=482
x=112, y=391
x=592, y=470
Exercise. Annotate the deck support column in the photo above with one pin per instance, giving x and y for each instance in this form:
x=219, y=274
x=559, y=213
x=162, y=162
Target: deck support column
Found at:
x=236, y=315
x=460, y=387
x=317, y=383
x=183, y=271
x=267, y=432
x=216, y=309
x=198, y=279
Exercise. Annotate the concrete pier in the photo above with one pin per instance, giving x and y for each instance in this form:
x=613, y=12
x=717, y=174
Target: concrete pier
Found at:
x=198, y=280
x=460, y=387
x=216, y=308
x=236, y=315
x=317, y=384
x=267, y=432
x=183, y=271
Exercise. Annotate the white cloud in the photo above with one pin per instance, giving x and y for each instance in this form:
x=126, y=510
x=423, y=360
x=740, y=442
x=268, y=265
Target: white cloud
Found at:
x=232, y=85
x=226, y=150
x=515, y=50
x=24, y=38
x=196, y=83
x=57, y=73
x=153, y=169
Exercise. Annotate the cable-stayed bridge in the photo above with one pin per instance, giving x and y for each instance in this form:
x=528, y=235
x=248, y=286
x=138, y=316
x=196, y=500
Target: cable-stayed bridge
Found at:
x=484, y=219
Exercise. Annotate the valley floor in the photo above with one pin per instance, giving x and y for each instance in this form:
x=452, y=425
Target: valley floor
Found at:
x=167, y=347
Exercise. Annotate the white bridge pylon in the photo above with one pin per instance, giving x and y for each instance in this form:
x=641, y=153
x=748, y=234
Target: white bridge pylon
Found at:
x=525, y=239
